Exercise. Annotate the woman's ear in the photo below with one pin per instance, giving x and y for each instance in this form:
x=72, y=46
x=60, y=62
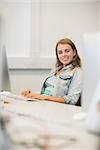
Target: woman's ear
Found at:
x=74, y=52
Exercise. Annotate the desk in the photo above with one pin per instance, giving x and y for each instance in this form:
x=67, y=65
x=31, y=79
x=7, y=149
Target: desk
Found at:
x=47, y=125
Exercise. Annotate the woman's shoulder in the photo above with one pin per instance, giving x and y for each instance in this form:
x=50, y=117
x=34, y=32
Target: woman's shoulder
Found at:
x=73, y=71
x=78, y=72
x=78, y=69
x=54, y=69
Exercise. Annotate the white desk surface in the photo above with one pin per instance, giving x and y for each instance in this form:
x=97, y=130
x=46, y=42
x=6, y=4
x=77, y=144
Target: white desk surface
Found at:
x=46, y=125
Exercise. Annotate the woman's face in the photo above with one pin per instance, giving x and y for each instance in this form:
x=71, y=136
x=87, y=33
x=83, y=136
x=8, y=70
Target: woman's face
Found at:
x=65, y=54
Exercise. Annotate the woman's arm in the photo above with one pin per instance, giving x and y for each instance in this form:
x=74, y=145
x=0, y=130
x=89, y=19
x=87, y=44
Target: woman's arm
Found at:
x=45, y=97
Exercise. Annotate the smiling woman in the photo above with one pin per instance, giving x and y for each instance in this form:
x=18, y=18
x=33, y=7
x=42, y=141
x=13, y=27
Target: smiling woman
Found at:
x=64, y=83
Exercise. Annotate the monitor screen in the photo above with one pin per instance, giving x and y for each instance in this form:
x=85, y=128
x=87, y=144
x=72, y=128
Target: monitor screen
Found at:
x=90, y=67
x=4, y=72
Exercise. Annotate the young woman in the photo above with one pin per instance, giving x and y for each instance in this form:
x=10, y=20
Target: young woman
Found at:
x=64, y=83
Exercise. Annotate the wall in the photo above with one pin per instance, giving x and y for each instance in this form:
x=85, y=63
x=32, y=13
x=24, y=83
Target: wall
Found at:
x=35, y=37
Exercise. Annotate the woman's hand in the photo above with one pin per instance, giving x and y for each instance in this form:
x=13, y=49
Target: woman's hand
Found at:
x=26, y=92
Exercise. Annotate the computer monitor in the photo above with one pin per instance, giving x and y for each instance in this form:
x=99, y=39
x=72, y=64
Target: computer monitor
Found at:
x=4, y=72
x=91, y=68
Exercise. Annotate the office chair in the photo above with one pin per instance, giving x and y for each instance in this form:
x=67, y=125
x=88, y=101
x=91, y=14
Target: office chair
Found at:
x=78, y=102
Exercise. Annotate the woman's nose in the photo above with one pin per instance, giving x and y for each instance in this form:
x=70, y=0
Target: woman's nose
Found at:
x=63, y=54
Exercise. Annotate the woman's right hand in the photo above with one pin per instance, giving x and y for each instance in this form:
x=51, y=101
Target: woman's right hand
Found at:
x=25, y=92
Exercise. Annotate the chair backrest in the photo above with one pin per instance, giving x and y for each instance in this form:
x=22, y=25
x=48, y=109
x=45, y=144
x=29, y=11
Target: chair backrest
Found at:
x=78, y=102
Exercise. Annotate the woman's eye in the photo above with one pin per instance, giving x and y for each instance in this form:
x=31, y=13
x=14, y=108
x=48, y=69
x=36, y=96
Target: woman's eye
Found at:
x=67, y=50
x=59, y=52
